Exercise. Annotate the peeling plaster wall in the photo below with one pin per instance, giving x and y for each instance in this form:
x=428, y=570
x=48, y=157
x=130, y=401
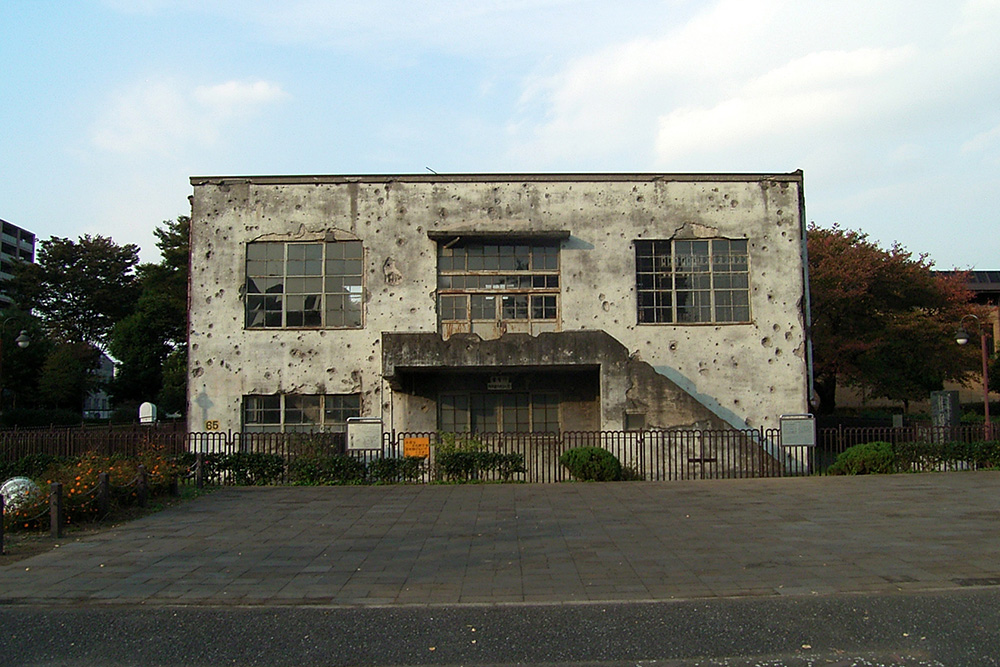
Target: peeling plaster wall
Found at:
x=755, y=371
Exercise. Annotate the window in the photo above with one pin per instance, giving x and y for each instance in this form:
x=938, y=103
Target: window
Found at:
x=692, y=281
x=518, y=412
x=305, y=285
x=498, y=282
x=299, y=412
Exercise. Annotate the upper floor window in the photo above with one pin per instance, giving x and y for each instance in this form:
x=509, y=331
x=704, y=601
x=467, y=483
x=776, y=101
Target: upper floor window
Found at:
x=692, y=281
x=304, y=284
x=490, y=288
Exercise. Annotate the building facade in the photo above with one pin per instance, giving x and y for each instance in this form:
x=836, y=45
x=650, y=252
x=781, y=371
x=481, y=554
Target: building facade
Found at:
x=498, y=303
x=16, y=245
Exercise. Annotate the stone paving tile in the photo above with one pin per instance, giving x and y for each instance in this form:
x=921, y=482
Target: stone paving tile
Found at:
x=535, y=543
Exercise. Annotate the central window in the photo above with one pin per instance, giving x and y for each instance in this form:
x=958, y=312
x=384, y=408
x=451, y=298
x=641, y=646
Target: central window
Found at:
x=519, y=412
x=692, y=281
x=304, y=285
x=493, y=283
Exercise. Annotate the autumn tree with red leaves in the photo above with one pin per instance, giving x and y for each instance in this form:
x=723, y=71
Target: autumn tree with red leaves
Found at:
x=883, y=320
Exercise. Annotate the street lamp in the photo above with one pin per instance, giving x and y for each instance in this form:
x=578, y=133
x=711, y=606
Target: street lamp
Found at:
x=22, y=342
x=962, y=337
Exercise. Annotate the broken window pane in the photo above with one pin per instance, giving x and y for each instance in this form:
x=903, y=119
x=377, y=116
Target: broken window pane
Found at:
x=692, y=281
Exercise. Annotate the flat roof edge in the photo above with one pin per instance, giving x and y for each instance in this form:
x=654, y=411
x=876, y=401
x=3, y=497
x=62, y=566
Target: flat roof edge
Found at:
x=795, y=176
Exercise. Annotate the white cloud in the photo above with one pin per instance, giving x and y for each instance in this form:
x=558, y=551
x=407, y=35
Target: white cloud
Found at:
x=819, y=90
x=162, y=116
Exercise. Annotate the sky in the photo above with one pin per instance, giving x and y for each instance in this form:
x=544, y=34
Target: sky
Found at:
x=890, y=108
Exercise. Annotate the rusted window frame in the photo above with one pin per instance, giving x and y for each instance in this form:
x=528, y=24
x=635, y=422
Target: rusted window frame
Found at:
x=513, y=280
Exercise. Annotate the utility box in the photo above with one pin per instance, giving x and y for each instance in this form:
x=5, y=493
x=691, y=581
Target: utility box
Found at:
x=147, y=413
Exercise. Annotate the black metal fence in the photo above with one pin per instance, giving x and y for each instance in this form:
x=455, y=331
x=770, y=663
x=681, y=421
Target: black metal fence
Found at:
x=649, y=455
x=652, y=455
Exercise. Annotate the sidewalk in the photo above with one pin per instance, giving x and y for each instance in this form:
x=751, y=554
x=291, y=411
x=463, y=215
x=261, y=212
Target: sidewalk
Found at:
x=630, y=541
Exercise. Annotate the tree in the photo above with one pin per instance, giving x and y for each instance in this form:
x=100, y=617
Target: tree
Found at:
x=68, y=376
x=882, y=320
x=79, y=289
x=156, y=330
x=20, y=368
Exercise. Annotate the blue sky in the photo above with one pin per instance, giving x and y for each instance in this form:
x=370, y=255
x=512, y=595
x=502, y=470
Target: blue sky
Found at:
x=891, y=108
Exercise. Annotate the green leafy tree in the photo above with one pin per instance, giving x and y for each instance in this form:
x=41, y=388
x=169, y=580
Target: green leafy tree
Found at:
x=79, y=289
x=21, y=368
x=68, y=376
x=156, y=330
x=882, y=319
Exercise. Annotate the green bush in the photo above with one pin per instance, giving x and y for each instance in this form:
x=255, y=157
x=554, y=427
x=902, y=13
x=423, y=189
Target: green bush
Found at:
x=943, y=455
x=253, y=469
x=333, y=469
x=508, y=465
x=866, y=459
x=467, y=460
x=592, y=464
x=393, y=470
x=33, y=466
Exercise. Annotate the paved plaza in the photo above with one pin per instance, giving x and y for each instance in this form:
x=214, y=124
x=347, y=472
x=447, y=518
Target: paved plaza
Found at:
x=526, y=543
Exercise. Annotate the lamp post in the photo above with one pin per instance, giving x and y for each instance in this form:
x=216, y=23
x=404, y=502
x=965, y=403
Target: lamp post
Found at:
x=22, y=341
x=962, y=337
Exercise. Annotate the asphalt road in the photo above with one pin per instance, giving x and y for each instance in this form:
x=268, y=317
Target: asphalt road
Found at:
x=959, y=627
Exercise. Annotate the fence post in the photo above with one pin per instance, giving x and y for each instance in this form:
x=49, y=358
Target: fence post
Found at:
x=142, y=487
x=104, y=494
x=2, y=552
x=55, y=510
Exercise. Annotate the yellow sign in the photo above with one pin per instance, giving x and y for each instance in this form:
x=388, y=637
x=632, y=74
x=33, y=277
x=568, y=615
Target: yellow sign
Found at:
x=417, y=447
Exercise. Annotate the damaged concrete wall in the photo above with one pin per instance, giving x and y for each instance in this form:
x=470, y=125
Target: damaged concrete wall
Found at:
x=754, y=371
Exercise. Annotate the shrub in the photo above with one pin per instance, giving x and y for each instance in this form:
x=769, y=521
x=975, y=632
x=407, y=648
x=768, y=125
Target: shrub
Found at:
x=944, y=455
x=865, y=459
x=392, y=470
x=510, y=464
x=80, y=481
x=591, y=464
x=211, y=464
x=467, y=460
x=33, y=466
x=252, y=468
x=313, y=470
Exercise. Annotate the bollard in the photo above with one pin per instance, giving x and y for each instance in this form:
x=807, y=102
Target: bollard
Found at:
x=55, y=510
x=199, y=470
x=104, y=494
x=2, y=552
x=142, y=487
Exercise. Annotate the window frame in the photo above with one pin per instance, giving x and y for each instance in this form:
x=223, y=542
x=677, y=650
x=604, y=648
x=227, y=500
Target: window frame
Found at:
x=499, y=412
x=286, y=412
x=499, y=281
x=682, y=282
x=300, y=284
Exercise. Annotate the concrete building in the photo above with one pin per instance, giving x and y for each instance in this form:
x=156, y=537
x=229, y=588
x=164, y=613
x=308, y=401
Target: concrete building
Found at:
x=16, y=244
x=512, y=303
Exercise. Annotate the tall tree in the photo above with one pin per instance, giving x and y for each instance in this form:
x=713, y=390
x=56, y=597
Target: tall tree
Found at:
x=67, y=376
x=157, y=329
x=79, y=289
x=882, y=319
x=21, y=368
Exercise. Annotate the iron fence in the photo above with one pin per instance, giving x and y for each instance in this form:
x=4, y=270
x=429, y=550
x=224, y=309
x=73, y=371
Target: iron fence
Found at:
x=656, y=455
x=648, y=455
